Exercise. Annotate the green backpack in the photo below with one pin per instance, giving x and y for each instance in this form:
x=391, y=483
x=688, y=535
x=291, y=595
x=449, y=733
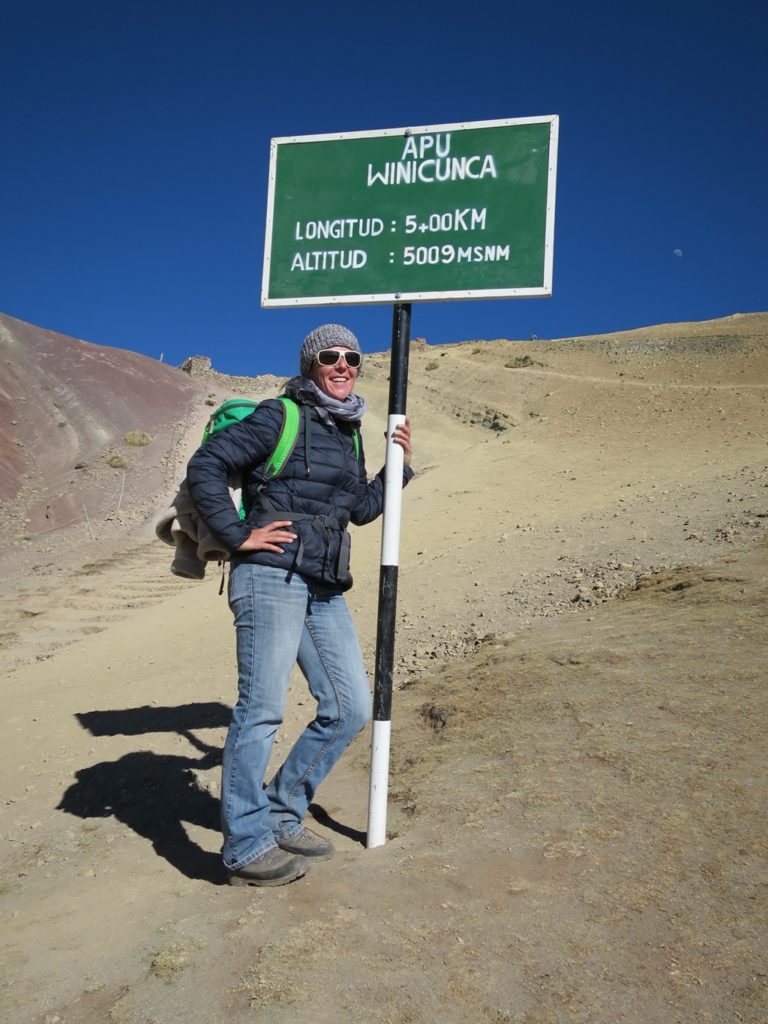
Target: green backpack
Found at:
x=236, y=409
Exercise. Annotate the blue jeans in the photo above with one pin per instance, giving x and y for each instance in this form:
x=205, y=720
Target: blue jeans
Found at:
x=281, y=619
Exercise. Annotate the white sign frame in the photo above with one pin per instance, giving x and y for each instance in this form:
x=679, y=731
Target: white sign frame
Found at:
x=545, y=290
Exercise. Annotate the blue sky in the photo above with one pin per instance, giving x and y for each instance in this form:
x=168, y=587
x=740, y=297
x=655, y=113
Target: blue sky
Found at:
x=135, y=148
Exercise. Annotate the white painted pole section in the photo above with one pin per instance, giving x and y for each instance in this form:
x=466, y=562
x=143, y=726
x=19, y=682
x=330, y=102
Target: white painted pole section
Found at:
x=393, y=495
x=379, y=784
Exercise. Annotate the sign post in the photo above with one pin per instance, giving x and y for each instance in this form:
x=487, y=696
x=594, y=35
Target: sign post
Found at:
x=454, y=211
x=390, y=560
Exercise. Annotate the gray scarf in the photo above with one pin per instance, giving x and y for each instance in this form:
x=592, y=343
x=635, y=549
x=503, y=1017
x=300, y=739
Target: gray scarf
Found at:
x=351, y=409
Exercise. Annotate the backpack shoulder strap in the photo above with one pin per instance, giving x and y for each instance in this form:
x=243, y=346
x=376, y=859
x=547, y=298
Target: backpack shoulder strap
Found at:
x=286, y=441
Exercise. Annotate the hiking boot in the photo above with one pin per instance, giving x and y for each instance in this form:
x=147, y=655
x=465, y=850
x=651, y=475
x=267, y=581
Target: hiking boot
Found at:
x=275, y=867
x=308, y=844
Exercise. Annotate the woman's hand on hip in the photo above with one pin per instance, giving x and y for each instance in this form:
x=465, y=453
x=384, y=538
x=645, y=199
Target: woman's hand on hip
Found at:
x=269, y=537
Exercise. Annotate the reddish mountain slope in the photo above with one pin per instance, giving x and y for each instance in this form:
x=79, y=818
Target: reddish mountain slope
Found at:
x=67, y=406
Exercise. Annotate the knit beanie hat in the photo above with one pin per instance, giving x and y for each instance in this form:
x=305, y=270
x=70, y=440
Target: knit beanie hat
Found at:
x=326, y=336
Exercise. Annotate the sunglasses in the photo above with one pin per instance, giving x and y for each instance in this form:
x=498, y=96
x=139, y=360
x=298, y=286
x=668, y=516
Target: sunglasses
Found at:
x=331, y=356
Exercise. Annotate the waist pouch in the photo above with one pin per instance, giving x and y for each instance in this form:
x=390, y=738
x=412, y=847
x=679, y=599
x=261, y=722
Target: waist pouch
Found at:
x=333, y=550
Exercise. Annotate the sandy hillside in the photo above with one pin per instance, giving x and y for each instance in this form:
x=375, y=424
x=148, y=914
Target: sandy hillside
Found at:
x=577, y=814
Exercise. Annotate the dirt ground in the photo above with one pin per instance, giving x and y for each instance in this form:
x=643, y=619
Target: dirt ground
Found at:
x=577, y=817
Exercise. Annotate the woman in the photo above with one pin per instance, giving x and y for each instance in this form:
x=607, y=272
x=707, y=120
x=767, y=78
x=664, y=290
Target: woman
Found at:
x=286, y=590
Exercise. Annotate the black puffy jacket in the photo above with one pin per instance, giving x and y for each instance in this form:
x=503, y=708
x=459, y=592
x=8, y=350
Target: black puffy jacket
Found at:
x=322, y=488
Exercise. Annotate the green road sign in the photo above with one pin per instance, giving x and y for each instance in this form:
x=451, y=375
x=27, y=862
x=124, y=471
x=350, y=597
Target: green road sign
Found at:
x=455, y=211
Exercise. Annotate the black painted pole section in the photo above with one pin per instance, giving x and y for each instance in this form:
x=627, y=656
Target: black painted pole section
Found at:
x=390, y=554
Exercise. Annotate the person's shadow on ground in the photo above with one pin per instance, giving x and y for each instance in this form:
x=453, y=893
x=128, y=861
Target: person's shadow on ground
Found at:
x=154, y=794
